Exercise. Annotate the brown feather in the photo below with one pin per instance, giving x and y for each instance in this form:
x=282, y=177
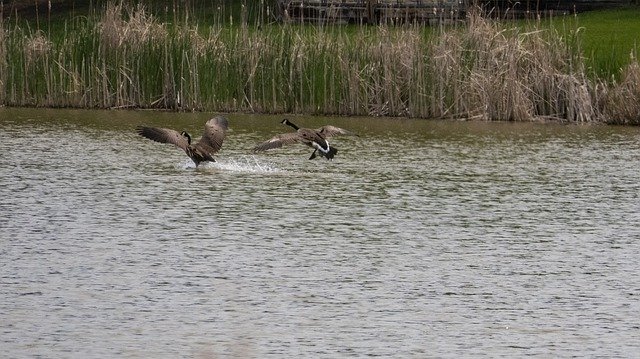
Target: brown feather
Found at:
x=215, y=131
x=164, y=135
x=278, y=141
x=314, y=138
x=328, y=131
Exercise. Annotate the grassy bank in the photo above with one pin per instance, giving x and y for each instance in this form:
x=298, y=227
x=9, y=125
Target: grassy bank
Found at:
x=607, y=37
x=132, y=57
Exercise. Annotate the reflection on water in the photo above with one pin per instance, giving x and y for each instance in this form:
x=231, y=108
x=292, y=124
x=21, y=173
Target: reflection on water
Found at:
x=421, y=239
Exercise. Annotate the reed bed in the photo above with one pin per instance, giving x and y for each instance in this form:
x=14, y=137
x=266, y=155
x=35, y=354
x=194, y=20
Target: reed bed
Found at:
x=124, y=57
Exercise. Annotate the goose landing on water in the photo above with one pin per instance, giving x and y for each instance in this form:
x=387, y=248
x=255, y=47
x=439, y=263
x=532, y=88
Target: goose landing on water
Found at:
x=214, y=132
x=314, y=138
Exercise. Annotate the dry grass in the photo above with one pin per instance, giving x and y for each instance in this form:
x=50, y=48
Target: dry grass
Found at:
x=506, y=74
x=122, y=25
x=36, y=47
x=620, y=103
x=4, y=65
x=482, y=70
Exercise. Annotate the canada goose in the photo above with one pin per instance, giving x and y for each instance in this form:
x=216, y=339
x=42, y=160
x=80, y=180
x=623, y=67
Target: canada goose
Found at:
x=314, y=138
x=214, y=132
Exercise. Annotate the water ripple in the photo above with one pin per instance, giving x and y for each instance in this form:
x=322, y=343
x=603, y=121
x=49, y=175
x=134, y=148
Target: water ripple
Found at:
x=421, y=239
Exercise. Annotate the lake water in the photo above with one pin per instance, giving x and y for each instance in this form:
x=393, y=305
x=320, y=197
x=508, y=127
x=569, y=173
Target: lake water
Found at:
x=421, y=239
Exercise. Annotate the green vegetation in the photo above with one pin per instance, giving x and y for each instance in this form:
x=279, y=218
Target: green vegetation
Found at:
x=235, y=58
x=608, y=38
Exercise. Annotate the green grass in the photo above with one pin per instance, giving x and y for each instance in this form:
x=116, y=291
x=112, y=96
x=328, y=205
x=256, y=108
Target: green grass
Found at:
x=608, y=38
x=204, y=57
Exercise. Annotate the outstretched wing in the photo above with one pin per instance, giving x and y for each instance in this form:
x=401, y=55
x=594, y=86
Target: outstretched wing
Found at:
x=278, y=141
x=163, y=135
x=215, y=131
x=312, y=137
x=328, y=131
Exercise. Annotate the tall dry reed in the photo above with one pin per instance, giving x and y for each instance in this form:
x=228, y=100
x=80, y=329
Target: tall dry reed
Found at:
x=497, y=73
x=481, y=69
x=620, y=103
x=4, y=66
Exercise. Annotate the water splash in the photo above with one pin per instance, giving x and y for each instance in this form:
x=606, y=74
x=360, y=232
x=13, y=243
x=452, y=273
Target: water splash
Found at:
x=248, y=164
x=244, y=164
x=186, y=164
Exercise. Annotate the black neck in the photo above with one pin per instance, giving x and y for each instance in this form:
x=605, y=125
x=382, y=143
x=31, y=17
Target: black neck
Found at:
x=287, y=122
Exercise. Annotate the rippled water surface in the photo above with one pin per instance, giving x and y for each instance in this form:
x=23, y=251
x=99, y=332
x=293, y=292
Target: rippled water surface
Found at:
x=421, y=239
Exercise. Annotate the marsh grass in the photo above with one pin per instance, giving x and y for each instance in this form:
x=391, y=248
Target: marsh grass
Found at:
x=4, y=67
x=620, y=103
x=125, y=57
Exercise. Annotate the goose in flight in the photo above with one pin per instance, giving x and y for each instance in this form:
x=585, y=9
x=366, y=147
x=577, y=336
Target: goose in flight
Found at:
x=314, y=138
x=214, y=132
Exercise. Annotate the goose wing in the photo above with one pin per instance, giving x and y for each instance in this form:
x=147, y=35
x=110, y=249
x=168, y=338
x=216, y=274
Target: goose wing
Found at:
x=163, y=135
x=278, y=141
x=215, y=131
x=311, y=136
x=328, y=131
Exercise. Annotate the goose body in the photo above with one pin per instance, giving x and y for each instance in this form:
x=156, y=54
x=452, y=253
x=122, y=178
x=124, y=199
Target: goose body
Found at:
x=314, y=138
x=215, y=131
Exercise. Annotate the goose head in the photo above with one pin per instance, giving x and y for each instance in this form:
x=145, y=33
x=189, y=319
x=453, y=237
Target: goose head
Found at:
x=187, y=135
x=289, y=123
